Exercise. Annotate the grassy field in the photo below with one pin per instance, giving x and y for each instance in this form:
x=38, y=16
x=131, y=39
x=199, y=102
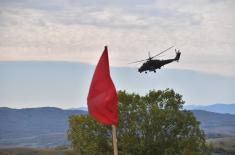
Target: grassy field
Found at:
x=223, y=146
x=32, y=151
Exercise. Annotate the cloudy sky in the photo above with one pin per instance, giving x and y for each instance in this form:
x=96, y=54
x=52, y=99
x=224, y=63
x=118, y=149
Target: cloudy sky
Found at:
x=77, y=30
x=46, y=48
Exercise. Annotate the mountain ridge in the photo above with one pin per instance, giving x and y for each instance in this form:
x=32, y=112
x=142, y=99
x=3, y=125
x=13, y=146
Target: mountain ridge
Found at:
x=218, y=108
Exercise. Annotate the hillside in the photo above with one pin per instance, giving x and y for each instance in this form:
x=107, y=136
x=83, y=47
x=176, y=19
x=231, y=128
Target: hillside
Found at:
x=47, y=127
x=215, y=124
x=35, y=127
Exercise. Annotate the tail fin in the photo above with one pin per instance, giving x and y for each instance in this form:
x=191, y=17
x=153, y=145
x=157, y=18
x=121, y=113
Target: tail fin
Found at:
x=177, y=57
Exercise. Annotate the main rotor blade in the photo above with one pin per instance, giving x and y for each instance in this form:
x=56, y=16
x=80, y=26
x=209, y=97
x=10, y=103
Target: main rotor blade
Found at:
x=162, y=51
x=152, y=56
x=137, y=61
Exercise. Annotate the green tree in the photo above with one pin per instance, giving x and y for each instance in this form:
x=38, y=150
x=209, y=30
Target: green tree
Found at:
x=154, y=124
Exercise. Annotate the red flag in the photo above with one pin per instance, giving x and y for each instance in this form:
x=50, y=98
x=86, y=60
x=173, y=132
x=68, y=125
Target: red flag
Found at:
x=102, y=96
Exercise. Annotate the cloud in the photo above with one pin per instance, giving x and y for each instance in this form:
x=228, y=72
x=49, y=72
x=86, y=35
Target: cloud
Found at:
x=78, y=30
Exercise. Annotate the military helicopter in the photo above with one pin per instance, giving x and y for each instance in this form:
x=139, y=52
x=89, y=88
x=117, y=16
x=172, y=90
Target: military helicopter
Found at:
x=151, y=64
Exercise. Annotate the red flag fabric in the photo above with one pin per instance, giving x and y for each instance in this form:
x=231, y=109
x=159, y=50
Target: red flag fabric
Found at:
x=102, y=97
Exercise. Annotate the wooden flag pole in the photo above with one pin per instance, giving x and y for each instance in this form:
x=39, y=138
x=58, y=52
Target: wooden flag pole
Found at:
x=114, y=135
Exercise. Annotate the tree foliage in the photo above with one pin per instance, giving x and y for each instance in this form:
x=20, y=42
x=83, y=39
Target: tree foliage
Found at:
x=154, y=124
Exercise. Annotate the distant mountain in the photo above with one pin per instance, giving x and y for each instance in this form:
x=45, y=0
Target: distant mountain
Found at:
x=215, y=124
x=33, y=124
x=218, y=108
x=47, y=126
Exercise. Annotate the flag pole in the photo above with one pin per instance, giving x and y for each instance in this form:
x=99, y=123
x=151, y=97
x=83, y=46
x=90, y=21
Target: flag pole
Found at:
x=114, y=135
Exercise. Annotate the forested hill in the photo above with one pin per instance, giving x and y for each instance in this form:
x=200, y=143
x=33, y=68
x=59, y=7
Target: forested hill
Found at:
x=47, y=126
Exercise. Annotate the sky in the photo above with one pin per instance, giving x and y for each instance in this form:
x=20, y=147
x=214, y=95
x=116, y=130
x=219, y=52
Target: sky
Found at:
x=76, y=31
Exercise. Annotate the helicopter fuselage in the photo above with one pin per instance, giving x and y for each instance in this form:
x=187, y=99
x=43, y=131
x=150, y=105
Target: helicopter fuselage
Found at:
x=152, y=65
